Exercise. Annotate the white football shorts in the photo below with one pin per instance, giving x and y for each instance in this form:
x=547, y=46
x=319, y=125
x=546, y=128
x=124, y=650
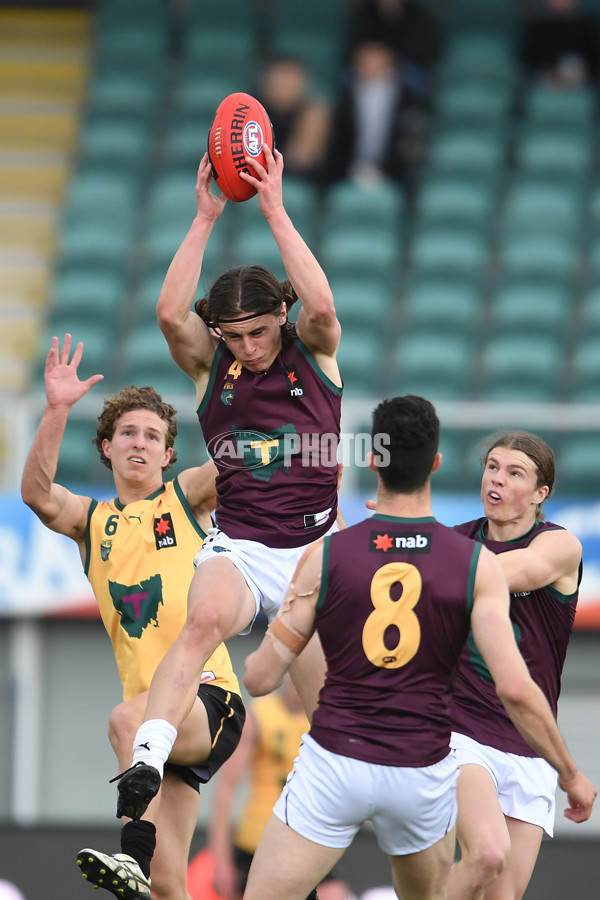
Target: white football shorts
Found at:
x=526, y=785
x=267, y=570
x=327, y=797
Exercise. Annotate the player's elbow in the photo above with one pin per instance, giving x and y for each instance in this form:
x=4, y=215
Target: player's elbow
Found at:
x=255, y=684
x=514, y=693
x=259, y=681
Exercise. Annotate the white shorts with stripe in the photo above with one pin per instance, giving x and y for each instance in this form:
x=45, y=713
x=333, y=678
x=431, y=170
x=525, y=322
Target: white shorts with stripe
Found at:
x=526, y=785
x=267, y=570
x=327, y=797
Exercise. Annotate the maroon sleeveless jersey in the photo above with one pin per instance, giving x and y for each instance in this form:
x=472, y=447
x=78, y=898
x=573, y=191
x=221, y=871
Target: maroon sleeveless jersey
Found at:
x=273, y=437
x=393, y=614
x=542, y=621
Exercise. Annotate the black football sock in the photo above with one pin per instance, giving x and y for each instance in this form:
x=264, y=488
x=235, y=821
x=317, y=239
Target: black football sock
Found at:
x=138, y=839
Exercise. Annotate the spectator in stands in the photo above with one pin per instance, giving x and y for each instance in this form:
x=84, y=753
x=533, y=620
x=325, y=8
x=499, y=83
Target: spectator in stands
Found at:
x=380, y=123
x=560, y=44
x=406, y=26
x=300, y=118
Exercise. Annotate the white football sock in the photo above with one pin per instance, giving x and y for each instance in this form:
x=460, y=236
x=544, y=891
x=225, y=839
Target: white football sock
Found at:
x=153, y=743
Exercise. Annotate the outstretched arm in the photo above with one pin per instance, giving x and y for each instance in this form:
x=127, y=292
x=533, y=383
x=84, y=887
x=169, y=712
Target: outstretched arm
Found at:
x=57, y=507
x=317, y=325
x=189, y=340
x=523, y=700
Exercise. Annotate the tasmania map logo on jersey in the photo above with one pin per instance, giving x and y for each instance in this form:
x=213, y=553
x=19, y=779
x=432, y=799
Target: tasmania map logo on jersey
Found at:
x=164, y=533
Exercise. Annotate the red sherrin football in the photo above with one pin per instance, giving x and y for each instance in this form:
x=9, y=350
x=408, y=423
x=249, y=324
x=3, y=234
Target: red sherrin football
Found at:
x=240, y=127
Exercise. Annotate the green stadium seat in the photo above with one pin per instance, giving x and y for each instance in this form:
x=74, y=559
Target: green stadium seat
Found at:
x=186, y=141
x=454, y=201
x=453, y=306
x=377, y=207
x=457, y=251
x=526, y=362
x=162, y=241
x=577, y=461
x=433, y=357
x=543, y=307
x=469, y=152
x=257, y=247
x=221, y=51
x=555, y=154
x=593, y=208
x=543, y=205
x=197, y=94
x=115, y=144
x=133, y=94
x=589, y=310
x=93, y=288
x=104, y=194
x=362, y=301
x=475, y=103
x=129, y=46
x=172, y=199
x=569, y=109
x=585, y=364
x=531, y=255
x=92, y=242
x=359, y=359
x=219, y=17
x=451, y=472
x=360, y=253
x=484, y=54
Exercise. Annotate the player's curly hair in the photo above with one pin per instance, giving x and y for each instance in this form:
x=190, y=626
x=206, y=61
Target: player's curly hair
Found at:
x=247, y=289
x=128, y=399
x=535, y=448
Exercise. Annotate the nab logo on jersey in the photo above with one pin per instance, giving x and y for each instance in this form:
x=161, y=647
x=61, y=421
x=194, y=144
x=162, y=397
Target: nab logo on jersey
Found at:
x=400, y=543
x=295, y=385
x=164, y=533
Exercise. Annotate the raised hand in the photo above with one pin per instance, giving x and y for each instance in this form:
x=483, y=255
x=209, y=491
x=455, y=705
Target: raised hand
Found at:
x=267, y=181
x=63, y=386
x=208, y=205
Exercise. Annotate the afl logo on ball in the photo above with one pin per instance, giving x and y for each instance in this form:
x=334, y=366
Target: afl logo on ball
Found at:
x=253, y=138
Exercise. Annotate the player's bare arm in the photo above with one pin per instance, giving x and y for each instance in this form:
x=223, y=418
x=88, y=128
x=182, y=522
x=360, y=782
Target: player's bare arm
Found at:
x=292, y=628
x=191, y=344
x=552, y=558
x=198, y=485
x=317, y=325
x=58, y=508
x=521, y=697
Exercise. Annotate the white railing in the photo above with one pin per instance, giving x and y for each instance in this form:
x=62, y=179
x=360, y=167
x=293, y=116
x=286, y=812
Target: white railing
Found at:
x=19, y=417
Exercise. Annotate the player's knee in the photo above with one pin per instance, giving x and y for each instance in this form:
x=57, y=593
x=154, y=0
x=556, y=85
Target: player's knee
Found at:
x=122, y=727
x=490, y=861
x=206, y=623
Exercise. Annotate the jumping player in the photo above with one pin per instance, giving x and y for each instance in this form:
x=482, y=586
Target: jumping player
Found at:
x=269, y=398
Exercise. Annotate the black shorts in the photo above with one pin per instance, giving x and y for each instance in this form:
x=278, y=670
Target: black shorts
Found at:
x=226, y=717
